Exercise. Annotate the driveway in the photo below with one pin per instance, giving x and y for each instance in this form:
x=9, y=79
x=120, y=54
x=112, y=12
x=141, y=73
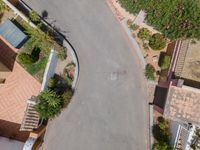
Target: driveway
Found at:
x=109, y=108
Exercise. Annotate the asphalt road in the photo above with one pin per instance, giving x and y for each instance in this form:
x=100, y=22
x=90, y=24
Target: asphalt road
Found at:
x=109, y=108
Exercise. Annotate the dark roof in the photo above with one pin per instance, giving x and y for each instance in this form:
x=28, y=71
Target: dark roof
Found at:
x=12, y=33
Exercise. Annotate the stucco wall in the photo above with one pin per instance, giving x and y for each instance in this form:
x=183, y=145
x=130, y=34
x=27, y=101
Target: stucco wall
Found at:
x=50, y=69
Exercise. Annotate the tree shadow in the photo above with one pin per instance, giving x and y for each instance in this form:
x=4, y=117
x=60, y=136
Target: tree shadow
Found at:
x=61, y=84
x=44, y=14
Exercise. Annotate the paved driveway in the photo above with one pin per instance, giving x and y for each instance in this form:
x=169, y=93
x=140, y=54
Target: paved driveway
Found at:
x=108, y=110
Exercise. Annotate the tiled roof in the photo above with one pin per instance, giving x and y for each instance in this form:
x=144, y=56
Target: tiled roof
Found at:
x=17, y=89
x=188, y=64
x=183, y=104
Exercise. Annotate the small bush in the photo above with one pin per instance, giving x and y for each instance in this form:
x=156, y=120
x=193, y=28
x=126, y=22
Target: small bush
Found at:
x=52, y=82
x=66, y=97
x=150, y=72
x=62, y=54
x=165, y=62
x=129, y=22
x=25, y=58
x=144, y=34
x=193, y=41
x=34, y=17
x=2, y=6
x=134, y=27
x=157, y=41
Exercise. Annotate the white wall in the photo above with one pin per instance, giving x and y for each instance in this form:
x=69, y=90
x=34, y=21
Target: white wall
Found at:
x=50, y=69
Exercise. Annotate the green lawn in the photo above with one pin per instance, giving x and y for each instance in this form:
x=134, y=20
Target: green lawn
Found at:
x=34, y=68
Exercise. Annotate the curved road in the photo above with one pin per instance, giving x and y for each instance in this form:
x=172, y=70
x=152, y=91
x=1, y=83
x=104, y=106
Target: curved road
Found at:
x=109, y=108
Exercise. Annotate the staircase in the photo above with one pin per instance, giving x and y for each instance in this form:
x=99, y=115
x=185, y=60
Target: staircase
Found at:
x=31, y=117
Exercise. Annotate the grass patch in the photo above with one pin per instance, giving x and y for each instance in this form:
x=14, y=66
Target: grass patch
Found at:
x=34, y=68
x=165, y=62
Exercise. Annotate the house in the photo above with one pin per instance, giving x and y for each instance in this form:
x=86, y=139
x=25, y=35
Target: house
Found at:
x=182, y=104
x=17, y=91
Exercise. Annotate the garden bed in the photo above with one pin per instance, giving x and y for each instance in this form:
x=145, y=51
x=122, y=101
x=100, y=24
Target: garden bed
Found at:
x=150, y=49
x=35, y=63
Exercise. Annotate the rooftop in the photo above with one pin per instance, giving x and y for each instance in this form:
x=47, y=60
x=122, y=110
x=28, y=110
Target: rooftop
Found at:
x=188, y=65
x=12, y=33
x=183, y=104
x=19, y=86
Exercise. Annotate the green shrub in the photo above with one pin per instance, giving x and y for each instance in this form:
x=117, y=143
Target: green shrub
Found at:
x=162, y=135
x=150, y=72
x=52, y=82
x=157, y=41
x=165, y=62
x=134, y=27
x=144, y=34
x=34, y=17
x=196, y=139
x=66, y=97
x=129, y=22
x=162, y=146
x=49, y=104
x=2, y=6
x=62, y=54
x=25, y=58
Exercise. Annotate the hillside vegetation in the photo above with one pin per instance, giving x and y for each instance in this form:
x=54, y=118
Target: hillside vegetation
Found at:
x=174, y=18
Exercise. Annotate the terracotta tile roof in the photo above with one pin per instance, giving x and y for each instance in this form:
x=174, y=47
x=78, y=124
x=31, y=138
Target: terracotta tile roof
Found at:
x=183, y=104
x=17, y=89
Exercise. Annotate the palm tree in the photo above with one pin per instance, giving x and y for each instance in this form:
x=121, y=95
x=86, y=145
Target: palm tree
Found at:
x=49, y=104
x=38, y=38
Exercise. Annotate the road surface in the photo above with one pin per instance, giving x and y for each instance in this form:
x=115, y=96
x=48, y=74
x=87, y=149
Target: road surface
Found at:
x=109, y=108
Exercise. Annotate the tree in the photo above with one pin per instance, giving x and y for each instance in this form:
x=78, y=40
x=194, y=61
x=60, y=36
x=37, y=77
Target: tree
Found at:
x=144, y=34
x=161, y=133
x=49, y=104
x=157, y=41
x=38, y=38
